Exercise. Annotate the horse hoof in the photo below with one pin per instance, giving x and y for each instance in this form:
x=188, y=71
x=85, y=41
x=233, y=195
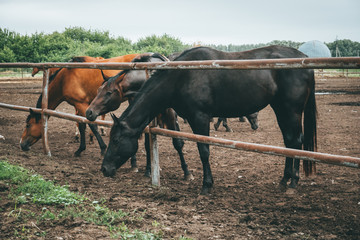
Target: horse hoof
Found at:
x=147, y=174
x=205, y=191
x=189, y=177
x=134, y=169
x=291, y=191
x=77, y=154
x=282, y=186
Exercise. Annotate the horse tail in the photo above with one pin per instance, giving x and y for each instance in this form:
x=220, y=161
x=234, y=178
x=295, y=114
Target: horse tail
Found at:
x=310, y=135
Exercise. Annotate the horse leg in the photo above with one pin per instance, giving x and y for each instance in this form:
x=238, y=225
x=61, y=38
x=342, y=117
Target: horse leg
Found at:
x=228, y=129
x=201, y=125
x=242, y=119
x=291, y=128
x=217, y=124
x=208, y=181
x=82, y=147
x=102, y=145
x=148, y=159
x=102, y=128
x=134, y=167
x=171, y=122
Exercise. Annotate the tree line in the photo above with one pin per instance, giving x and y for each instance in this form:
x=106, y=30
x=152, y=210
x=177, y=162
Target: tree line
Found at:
x=77, y=41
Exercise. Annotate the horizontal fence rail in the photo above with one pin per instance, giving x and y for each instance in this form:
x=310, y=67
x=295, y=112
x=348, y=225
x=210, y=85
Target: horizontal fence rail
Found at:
x=261, y=148
x=252, y=147
x=286, y=63
x=283, y=63
x=67, y=116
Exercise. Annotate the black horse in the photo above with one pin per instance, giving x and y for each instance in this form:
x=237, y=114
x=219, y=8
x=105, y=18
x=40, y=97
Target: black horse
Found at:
x=124, y=86
x=252, y=118
x=198, y=95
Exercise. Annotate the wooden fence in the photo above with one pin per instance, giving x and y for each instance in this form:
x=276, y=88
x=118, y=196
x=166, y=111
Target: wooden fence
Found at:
x=293, y=63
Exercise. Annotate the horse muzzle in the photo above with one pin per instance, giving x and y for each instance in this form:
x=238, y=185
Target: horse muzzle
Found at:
x=108, y=171
x=25, y=145
x=91, y=115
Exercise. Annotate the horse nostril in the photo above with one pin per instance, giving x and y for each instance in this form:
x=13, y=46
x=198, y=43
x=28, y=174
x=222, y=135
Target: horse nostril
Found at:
x=89, y=115
x=24, y=147
x=108, y=171
x=105, y=171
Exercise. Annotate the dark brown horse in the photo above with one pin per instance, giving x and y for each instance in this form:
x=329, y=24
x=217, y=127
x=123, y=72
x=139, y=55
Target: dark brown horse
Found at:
x=198, y=95
x=77, y=87
x=124, y=86
x=252, y=118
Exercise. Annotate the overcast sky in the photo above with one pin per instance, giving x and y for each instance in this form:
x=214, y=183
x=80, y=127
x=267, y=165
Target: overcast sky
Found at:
x=205, y=21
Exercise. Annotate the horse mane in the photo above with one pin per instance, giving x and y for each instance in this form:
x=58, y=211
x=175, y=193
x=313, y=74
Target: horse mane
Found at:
x=77, y=59
x=39, y=101
x=189, y=50
x=147, y=56
x=142, y=58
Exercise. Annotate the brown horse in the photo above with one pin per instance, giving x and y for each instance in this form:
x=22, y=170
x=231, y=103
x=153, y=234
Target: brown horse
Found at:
x=53, y=72
x=73, y=59
x=78, y=87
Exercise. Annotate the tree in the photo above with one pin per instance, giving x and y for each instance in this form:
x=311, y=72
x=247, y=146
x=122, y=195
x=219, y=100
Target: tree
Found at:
x=7, y=55
x=164, y=44
x=346, y=47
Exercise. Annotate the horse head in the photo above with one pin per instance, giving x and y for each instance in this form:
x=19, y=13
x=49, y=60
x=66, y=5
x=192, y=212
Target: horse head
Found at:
x=122, y=145
x=109, y=97
x=35, y=71
x=32, y=132
x=120, y=87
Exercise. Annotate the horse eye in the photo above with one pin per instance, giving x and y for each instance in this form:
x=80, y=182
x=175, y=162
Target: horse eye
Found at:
x=27, y=125
x=108, y=93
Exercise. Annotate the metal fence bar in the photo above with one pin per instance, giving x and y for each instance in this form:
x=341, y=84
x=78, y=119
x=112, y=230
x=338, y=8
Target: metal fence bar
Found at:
x=57, y=114
x=44, y=106
x=287, y=63
x=260, y=148
x=282, y=63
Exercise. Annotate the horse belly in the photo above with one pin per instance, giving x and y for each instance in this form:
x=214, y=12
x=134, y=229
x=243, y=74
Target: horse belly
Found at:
x=245, y=95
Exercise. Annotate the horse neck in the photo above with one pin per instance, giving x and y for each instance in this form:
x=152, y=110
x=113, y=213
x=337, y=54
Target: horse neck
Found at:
x=55, y=94
x=146, y=106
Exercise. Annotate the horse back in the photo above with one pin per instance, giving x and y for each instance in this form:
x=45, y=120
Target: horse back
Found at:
x=269, y=52
x=231, y=93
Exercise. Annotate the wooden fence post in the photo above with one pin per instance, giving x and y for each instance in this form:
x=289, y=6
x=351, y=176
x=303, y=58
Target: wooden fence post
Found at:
x=44, y=117
x=154, y=153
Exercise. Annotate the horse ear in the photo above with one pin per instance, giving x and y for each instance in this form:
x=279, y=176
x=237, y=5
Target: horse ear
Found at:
x=130, y=94
x=115, y=119
x=104, y=77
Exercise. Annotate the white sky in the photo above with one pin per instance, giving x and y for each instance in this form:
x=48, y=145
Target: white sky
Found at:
x=205, y=21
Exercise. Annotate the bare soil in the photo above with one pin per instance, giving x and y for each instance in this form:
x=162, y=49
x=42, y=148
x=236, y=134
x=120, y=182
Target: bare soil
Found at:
x=246, y=202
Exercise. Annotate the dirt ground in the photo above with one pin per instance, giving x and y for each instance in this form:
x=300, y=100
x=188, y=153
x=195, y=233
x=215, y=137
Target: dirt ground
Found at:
x=246, y=202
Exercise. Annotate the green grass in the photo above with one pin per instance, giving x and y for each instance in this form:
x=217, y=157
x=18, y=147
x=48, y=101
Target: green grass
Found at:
x=33, y=188
x=29, y=190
